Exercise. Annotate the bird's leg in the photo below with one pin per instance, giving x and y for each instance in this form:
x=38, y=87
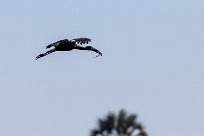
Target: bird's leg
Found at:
x=44, y=54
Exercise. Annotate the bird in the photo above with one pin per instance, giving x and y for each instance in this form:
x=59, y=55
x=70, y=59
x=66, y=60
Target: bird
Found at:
x=68, y=45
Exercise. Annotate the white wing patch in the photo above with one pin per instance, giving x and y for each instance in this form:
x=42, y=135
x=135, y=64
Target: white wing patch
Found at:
x=82, y=40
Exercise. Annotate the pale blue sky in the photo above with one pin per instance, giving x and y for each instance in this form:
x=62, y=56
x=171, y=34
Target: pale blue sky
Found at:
x=152, y=65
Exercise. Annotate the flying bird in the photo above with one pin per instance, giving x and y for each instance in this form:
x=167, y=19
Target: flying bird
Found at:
x=68, y=45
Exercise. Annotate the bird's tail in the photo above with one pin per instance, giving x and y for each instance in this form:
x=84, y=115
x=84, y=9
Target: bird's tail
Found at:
x=44, y=54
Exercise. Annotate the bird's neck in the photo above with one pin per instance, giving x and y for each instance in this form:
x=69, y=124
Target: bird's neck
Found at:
x=80, y=47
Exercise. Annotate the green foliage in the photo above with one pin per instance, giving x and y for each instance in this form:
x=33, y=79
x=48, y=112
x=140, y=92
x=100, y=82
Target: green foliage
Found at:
x=119, y=125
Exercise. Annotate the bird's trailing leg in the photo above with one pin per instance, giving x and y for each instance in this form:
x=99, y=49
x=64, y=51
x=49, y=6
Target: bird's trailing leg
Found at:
x=44, y=54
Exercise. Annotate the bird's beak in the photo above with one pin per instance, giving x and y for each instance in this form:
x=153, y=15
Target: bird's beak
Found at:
x=97, y=51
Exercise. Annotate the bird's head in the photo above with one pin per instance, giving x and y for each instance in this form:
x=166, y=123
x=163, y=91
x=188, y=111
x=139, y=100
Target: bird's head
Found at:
x=89, y=47
x=93, y=49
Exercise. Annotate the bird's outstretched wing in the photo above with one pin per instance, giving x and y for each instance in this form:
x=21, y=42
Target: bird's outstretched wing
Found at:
x=57, y=43
x=82, y=40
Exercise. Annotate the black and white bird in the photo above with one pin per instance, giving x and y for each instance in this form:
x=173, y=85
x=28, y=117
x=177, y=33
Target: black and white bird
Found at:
x=68, y=45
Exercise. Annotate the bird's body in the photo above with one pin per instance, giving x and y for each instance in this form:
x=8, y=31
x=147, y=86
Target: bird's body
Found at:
x=68, y=45
x=65, y=46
